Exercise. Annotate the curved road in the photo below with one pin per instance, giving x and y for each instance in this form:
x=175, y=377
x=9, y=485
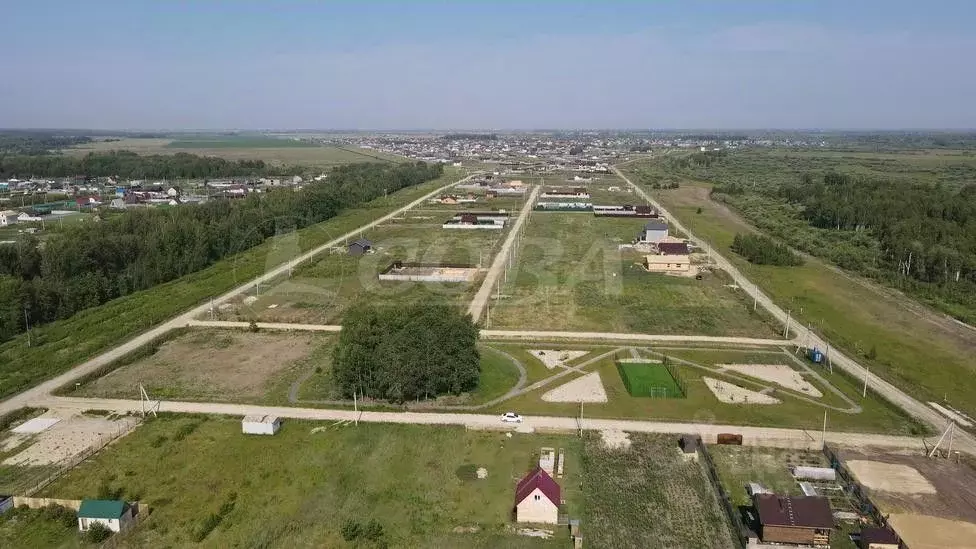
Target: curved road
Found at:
x=964, y=441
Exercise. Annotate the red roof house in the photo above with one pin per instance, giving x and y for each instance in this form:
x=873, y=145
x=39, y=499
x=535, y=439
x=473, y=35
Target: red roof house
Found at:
x=537, y=498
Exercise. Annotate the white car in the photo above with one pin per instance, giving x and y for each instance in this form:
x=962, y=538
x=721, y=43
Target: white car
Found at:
x=511, y=417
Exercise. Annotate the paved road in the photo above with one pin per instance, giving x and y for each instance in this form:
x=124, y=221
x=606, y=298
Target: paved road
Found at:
x=38, y=392
x=498, y=265
x=915, y=408
x=751, y=435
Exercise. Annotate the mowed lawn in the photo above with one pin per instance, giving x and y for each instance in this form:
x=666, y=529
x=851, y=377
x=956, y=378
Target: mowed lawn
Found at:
x=645, y=379
x=571, y=275
x=297, y=488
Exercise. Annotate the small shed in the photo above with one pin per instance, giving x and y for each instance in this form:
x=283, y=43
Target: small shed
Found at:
x=689, y=447
x=360, y=246
x=260, y=425
x=116, y=515
x=537, y=498
x=576, y=534
x=6, y=503
x=873, y=537
x=655, y=230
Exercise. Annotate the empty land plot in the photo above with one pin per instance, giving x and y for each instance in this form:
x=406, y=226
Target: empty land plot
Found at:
x=319, y=477
x=572, y=275
x=647, y=496
x=321, y=292
x=209, y=364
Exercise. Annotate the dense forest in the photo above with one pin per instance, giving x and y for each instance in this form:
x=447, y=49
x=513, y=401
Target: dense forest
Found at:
x=96, y=262
x=762, y=250
x=30, y=143
x=129, y=165
x=406, y=352
x=927, y=232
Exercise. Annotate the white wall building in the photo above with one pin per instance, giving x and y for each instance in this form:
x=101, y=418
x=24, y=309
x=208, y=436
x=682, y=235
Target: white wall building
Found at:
x=260, y=425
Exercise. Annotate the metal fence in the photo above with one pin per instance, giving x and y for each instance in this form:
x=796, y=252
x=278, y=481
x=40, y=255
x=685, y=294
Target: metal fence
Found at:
x=854, y=488
x=725, y=502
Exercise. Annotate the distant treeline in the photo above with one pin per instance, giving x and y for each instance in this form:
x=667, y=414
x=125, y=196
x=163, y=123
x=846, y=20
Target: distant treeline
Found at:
x=762, y=250
x=926, y=232
x=406, y=352
x=27, y=143
x=471, y=136
x=96, y=262
x=129, y=165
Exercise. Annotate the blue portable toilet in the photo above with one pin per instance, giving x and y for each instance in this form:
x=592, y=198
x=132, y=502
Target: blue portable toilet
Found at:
x=816, y=356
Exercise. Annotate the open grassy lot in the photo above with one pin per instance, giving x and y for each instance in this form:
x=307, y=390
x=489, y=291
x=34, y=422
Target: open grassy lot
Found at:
x=60, y=345
x=298, y=488
x=37, y=528
x=647, y=496
x=571, y=275
x=283, y=152
x=854, y=314
x=212, y=365
x=700, y=404
x=321, y=291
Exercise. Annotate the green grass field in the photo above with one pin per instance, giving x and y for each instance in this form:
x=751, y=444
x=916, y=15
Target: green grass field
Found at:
x=296, y=489
x=647, y=496
x=649, y=380
x=571, y=275
x=236, y=142
x=57, y=346
x=322, y=291
x=852, y=313
x=700, y=404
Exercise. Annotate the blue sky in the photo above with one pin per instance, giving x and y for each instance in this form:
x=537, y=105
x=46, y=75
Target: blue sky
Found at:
x=169, y=64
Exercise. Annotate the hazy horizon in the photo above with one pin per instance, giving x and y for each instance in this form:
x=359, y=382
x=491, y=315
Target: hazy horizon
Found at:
x=383, y=66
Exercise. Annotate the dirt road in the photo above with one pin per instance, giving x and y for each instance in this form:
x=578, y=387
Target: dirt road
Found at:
x=40, y=391
x=915, y=408
x=484, y=292
x=792, y=438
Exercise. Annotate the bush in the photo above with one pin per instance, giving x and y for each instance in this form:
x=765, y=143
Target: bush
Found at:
x=97, y=533
x=373, y=530
x=762, y=250
x=350, y=530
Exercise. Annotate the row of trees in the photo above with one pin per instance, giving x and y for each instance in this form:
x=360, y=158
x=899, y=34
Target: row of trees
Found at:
x=129, y=165
x=406, y=352
x=30, y=143
x=95, y=262
x=926, y=232
x=762, y=250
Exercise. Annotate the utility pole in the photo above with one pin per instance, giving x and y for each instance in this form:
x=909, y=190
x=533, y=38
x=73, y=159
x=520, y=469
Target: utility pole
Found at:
x=786, y=331
x=823, y=435
x=864, y=392
x=27, y=323
x=355, y=406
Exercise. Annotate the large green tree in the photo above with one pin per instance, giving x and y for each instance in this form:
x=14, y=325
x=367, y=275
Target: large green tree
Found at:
x=405, y=352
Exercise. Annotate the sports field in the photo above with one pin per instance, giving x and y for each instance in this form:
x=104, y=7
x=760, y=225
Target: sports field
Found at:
x=649, y=380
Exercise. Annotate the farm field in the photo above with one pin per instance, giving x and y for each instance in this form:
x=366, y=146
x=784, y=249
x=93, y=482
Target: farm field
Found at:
x=701, y=405
x=283, y=152
x=647, y=496
x=319, y=477
x=737, y=466
x=853, y=313
x=321, y=291
x=570, y=275
x=62, y=344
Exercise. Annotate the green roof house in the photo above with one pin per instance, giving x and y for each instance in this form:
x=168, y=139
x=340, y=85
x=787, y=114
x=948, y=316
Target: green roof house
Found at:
x=114, y=514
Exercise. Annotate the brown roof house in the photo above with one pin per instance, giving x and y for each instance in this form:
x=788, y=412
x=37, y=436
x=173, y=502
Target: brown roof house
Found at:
x=873, y=537
x=537, y=498
x=800, y=520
